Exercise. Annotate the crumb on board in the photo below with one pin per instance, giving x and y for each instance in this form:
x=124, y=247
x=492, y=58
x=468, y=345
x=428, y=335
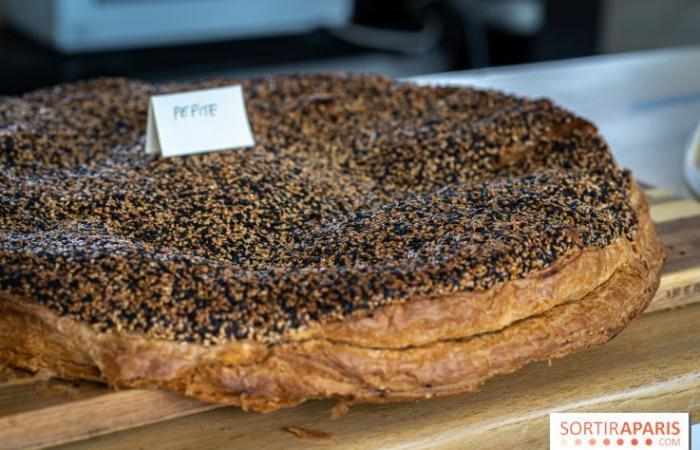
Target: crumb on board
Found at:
x=340, y=409
x=307, y=433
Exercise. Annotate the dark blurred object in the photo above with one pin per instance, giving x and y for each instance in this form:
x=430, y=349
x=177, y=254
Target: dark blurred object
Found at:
x=644, y=24
x=394, y=37
x=28, y=65
x=502, y=32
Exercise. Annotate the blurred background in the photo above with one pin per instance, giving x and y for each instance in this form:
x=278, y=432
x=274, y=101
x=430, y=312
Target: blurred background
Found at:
x=631, y=66
x=44, y=42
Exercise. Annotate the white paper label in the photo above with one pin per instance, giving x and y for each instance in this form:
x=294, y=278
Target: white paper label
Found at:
x=198, y=121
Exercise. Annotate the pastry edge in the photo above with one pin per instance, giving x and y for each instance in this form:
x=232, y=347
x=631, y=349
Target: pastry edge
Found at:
x=324, y=362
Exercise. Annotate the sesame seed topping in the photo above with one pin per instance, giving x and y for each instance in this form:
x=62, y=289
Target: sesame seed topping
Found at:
x=360, y=192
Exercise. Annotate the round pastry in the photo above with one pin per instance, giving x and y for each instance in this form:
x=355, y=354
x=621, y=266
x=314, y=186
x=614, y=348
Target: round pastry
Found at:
x=381, y=241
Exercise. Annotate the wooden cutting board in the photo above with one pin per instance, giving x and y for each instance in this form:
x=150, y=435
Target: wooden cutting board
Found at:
x=654, y=365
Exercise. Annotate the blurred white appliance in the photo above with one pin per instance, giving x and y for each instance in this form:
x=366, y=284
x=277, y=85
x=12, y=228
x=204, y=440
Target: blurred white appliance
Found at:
x=73, y=26
x=691, y=164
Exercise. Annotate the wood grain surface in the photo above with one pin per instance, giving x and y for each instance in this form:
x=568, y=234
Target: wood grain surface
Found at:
x=654, y=365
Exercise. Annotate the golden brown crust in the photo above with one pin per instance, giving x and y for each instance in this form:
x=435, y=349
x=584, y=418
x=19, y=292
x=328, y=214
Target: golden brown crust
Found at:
x=360, y=194
x=458, y=315
x=331, y=361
